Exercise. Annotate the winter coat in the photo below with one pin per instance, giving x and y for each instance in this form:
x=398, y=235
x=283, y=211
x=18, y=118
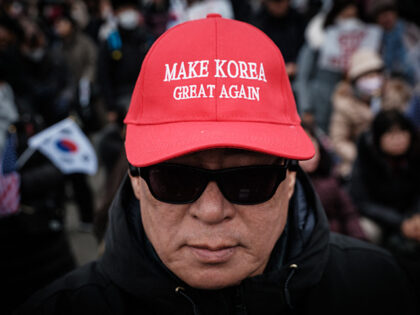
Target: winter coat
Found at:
x=349, y=119
x=49, y=90
x=314, y=85
x=342, y=215
x=387, y=191
x=118, y=69
x=400, y=47
x=310, y=270
x=286, y=32
x=8, y=112
x=413, y=110
x=80, y=54
x=34, y=244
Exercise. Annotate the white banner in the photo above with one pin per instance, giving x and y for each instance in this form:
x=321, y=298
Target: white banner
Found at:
x=67, y=147
x=342, y=40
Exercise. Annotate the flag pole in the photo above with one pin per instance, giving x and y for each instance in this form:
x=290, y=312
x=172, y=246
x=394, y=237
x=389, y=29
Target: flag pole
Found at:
x=24, y=157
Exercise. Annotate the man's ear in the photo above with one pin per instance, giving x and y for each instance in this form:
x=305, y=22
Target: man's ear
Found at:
x=136, y=184
x=291, y=177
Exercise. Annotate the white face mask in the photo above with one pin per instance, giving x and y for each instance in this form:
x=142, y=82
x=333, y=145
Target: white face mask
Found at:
x=370, y=86
x=128, y=19
x=347, y=23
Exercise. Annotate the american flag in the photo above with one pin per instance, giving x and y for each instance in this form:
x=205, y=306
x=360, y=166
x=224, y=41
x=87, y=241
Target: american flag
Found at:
x=9, y=178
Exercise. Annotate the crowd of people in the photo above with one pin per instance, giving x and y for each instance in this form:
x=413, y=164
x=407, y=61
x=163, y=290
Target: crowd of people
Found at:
x=354, y=67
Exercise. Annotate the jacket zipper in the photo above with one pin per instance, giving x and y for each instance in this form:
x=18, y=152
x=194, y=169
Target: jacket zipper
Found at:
x=181, y=291
x=292, y=268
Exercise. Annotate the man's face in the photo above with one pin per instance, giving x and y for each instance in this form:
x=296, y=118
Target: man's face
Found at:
x=395, y=142
x=213, y=243
x=277, y=8
x=387, y=19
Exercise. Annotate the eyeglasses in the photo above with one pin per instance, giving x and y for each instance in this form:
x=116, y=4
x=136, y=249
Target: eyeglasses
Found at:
x=183, y=184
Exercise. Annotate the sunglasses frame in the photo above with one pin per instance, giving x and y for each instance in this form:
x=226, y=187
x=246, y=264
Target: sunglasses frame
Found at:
x=213, y=176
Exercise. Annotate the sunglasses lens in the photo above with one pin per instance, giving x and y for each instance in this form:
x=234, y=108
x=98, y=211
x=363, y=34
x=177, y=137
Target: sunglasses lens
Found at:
x=243, y=185
x=175, y=184
x=251, y=185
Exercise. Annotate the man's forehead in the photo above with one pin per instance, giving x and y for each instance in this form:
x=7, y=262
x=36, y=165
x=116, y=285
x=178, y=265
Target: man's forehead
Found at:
x=225, y=155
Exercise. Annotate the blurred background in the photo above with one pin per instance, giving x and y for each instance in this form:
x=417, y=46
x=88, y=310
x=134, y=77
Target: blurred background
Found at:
x=67, y=71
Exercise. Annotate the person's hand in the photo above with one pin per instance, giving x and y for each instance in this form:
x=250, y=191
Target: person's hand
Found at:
x=112, y=116
x=291, y=69
x=411, y=227
x=308, y=120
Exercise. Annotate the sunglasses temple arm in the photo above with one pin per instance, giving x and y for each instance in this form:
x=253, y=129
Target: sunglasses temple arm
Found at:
x=292, y=165
x=134, y=171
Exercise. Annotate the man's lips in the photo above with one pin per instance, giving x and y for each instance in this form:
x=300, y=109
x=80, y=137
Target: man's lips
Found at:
x=212, y=255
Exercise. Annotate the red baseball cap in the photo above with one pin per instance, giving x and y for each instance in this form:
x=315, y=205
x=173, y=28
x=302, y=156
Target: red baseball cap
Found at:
x=213, y=83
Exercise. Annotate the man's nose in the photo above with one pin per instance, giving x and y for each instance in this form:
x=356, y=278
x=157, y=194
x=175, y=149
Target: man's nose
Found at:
x=212, y=207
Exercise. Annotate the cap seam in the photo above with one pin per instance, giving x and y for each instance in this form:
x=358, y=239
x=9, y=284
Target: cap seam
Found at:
x=216, y=103
x=200, y=121
x=146, y=63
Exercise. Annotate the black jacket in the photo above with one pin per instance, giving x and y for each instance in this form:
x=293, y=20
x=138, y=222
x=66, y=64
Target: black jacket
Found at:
x=311, y=271
x=117, y=74
x=286, y=32
x=33, y=243
x=386, y=190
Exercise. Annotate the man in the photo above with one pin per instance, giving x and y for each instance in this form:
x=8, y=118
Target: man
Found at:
x=214, y=218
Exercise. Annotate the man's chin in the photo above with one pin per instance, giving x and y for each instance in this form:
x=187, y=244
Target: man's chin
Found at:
x=212, y=281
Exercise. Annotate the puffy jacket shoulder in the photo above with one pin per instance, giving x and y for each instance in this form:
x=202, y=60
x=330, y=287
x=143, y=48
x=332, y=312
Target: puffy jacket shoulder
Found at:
x=361, y=276
x=82, y=291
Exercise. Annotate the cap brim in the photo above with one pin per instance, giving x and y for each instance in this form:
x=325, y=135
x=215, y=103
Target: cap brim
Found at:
x=150, y=144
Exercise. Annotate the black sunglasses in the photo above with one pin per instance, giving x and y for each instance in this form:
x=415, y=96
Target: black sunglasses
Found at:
x=182, y=184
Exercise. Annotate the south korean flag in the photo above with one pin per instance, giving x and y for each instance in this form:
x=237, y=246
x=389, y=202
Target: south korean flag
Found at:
x=67, y=147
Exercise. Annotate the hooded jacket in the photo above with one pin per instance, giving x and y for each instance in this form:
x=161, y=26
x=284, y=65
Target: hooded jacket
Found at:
x=310, y=271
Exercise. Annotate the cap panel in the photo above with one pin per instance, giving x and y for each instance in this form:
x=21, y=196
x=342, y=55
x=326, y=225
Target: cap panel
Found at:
x=175, y=73
x=254, y=84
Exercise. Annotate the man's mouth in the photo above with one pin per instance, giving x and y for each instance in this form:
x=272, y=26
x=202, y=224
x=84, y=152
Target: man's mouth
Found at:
x=212, y=255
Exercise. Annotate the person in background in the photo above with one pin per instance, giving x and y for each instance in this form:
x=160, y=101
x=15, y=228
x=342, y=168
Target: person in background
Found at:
x=49, y=94
x=80, y=54
x=188, y=10
x=286, y=27
x=357, y=99
x=214, y=215
x=413, y=110
x=401, y=41
x=96, y=19
x=33, y=242
x=156, y=16
x=11, y=64
x=78, y=49
x=343, y=217
x=385, y=185
x=309, y=8
x=120, y=59
x=243, y=10
x=332, y=36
